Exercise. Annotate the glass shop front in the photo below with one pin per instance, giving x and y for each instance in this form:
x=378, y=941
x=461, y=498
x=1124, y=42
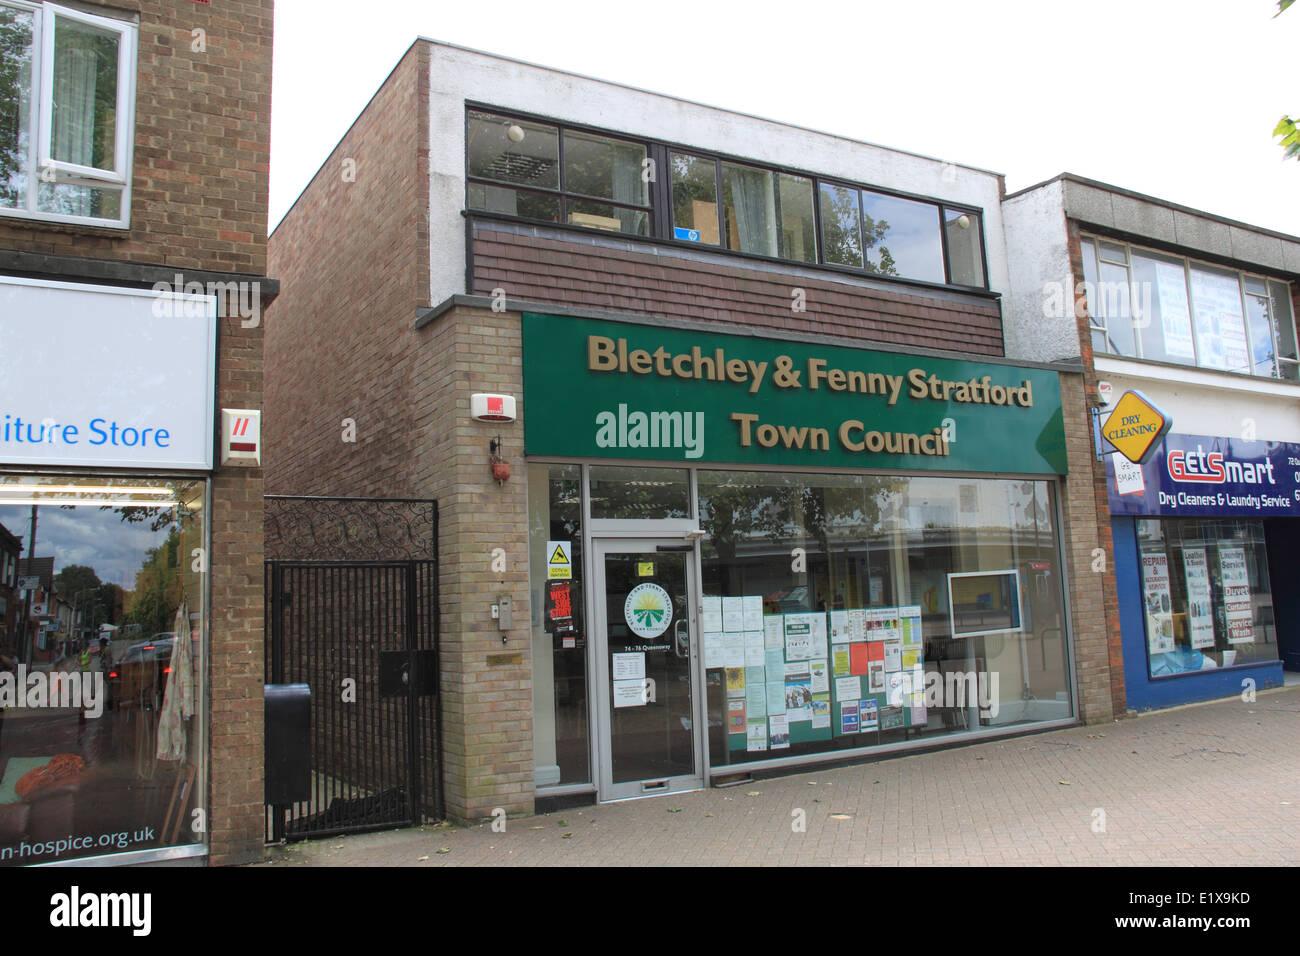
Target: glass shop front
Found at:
x=723, y=598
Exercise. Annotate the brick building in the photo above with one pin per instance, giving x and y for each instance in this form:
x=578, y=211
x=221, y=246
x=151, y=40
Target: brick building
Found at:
x=1196, y=314
x=134, y=142
x=776, y=494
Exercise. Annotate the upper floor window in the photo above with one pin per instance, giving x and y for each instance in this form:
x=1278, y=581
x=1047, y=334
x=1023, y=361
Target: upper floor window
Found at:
x=543, y=171
x=538, y=171
x=1149, y=305
x=67, y=91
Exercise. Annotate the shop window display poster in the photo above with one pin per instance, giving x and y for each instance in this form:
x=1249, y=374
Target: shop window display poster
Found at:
x=859, y=658
x=775, y=693
x=840, y=661
x=735, y=682
x=774, y=632
x=1158, y=603
x=798, y=691
x=711, y=613
x=756, y=734
x=751, y=607
x=736, y=715
x=754, y=650
x=733, y=614
x=780, y=732
x=799, y=635
x=840, y=633
x=849, y=717
x=1200, y=612
x=848, y=688
x=820, y=709
x=714, y=651
x=1237, y=605
x=869, y=714
x=733, y=649
x=755, y=699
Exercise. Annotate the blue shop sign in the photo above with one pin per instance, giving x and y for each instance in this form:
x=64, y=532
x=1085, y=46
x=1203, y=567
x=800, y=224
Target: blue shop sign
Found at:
x=1207, y=476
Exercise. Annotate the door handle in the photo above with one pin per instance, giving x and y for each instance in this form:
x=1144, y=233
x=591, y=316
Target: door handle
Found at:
x=682, y=644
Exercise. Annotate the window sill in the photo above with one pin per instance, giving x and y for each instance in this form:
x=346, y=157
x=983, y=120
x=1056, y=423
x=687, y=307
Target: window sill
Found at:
x=1194, y=375
x=83, y=227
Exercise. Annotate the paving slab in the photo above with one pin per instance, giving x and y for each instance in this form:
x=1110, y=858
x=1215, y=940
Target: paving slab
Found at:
x=1208, y=785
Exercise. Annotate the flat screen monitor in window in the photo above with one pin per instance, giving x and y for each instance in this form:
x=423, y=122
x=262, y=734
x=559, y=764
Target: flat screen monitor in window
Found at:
x=984, y=602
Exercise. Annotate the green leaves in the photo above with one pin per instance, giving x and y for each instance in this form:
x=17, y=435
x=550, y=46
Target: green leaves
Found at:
x=1281, y=6
x=1286, y=129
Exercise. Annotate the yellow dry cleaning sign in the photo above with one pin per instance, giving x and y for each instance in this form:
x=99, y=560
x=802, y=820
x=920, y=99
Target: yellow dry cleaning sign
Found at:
x=559, y=561
x=1136, y=426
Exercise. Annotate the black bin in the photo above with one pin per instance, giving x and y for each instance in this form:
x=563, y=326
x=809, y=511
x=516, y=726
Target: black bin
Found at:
x=288, y=743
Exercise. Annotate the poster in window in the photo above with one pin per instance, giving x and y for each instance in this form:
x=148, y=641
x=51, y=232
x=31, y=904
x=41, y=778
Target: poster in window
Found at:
x=1237, y=604
x=1171, y=286
x=1158, y=603
x=559, y=608
x=1220, y=325
x=1200, y=612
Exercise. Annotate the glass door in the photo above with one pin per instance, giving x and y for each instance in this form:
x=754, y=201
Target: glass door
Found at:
x=647, y=703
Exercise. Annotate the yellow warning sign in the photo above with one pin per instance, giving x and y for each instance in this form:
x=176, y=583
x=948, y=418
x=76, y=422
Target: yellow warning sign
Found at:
x=645, y=569
x=1135, y=426
x=559, y=564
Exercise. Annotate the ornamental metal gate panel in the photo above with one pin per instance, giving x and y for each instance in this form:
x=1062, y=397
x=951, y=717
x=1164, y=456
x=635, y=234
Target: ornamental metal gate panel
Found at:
x=352, y=611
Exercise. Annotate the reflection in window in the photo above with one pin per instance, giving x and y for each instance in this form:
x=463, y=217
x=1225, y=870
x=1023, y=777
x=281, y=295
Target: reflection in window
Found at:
x=629, y=492
x=15, y=93
x=965, y=252
x=560, y=745
x=902, y=237
x=841, y=225
x=118, y=616
x=606, y=168
x=878, y=553
x=695, y=198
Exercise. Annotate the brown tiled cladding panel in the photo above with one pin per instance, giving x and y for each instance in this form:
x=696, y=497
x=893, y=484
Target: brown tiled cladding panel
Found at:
x=536, y=269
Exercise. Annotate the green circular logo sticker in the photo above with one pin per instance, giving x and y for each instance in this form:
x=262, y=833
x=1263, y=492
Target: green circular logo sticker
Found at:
x=648, y=610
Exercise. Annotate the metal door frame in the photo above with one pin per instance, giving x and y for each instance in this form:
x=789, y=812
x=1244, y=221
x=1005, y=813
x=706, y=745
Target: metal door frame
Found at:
x=653, y=534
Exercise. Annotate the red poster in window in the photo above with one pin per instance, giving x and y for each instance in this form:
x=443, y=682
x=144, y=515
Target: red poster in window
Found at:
x=858, y=657
x=559, y=607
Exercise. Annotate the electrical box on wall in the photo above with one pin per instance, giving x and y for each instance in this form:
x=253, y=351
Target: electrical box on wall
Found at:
x=241, y=437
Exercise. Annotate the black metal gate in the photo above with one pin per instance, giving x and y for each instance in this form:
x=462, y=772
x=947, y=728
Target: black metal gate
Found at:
x=352, y=611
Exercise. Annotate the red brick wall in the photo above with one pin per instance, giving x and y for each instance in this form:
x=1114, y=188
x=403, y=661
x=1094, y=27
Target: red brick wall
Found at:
x=568, y=271
x=202, y=144
x=352, y=257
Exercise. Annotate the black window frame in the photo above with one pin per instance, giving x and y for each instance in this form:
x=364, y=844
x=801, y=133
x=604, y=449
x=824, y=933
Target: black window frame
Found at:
x=660, y=208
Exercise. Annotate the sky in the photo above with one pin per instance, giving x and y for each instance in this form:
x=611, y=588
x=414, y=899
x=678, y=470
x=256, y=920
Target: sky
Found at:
x=1177, y=101
x=97, y=539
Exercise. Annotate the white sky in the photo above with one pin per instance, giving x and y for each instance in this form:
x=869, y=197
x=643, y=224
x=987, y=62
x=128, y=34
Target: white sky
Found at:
x=1176, y=100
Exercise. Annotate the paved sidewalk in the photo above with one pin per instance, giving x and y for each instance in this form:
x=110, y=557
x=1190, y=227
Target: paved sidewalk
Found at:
x=1215, y=784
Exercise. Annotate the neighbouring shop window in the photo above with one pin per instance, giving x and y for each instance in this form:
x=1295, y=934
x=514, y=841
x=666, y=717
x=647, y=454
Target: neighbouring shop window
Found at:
x=102, y=683
x=1149, y=305
x=73, y=162
x=560, y=745
x=829, y=604
x=631, y=492
x=1206, y=597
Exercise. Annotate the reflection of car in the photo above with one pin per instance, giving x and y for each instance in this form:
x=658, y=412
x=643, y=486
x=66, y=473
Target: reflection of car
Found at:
x=136, y=682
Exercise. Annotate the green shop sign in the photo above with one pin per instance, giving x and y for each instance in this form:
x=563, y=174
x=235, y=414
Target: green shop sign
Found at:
x=595, y=389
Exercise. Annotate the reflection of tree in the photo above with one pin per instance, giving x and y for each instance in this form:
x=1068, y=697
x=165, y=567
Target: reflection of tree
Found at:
x=874, y=232
x=157, y=587
x=790, y=514
x=15, y=69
